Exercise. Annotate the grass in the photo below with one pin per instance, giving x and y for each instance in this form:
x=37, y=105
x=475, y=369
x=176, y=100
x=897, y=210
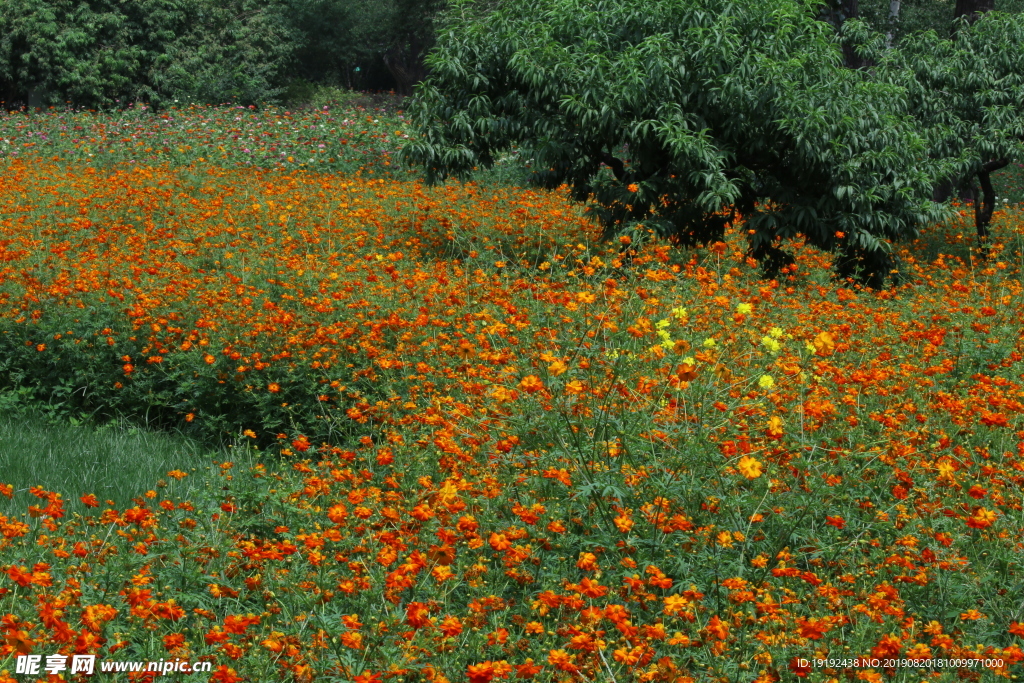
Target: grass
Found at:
x=116, y=462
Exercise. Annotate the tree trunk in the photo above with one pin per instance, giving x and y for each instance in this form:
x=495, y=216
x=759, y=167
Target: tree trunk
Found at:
x=985, y=202
x=406, y=65
x=894, y=18
x=836, y=12
x=972, y=9
x=985, y=198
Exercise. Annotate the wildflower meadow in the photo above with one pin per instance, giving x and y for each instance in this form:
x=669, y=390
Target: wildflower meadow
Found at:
x=458, y=438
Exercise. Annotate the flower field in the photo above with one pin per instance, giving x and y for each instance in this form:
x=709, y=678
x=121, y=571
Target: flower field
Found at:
x=472, y=443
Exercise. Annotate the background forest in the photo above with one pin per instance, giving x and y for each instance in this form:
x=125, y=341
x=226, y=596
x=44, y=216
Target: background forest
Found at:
x=101, y=53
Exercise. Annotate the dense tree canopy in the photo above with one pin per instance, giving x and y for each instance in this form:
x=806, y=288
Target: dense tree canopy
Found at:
x=966, y=90
x=663, y=114
x=97, y=52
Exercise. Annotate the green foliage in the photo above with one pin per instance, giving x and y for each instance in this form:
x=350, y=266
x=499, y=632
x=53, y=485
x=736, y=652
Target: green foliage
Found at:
x=916, y=16
x=77, y=50
x=101, y=52
x=966, y=91
x=363, y=44
x=359, y=136
x=104, y=52
x=237, y=50
x=662, y=114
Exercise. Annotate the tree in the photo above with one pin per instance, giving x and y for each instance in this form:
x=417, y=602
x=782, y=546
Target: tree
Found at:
x=680, y=117
x=229, y=50
x=967, y=93
x=972, y=9
x=99, y=52
x=70, y=49
x=837, y=12
x=390, y=37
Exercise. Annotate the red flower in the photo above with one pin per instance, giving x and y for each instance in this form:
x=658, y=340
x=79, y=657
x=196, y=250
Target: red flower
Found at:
x=800, y=667
x=888, y=646
x=225, y=674
x=417, y=615
x=527, y=670
x=480, y=673
x=981, y=519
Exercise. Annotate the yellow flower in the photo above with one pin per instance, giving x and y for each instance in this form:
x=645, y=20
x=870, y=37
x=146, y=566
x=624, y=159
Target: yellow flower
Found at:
x=770, y=344
x=744, y=309
x=749, y=467
x=776, y=332
x=662, y=324
x=680, y=312
x=709, y=343
x=766, y=382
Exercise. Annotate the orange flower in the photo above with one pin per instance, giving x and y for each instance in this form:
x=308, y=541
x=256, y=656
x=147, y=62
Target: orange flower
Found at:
x=587, y=562
x=417, y=615
x=717, y=628
x=225, y=674
x=480, y=673
x=173, y=641
x=562, y=660
x=824, y=344
x=352, y=640
x=888, y=646
x=592, y=589
x=749, y=467
x=527, y=669
x=450, y=626
x=531, y=384
x=837, y=522
x=982, y=518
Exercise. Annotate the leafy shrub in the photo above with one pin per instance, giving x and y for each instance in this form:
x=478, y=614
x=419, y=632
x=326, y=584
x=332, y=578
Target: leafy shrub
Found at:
x=661, y=114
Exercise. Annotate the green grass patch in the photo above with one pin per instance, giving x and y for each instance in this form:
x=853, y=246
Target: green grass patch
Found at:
x=115, y=462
